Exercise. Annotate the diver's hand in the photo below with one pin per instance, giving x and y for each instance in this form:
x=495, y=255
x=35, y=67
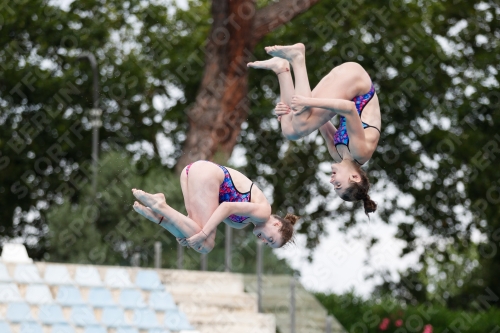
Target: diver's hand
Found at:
x=182, y=241
x=281, y=110
x=298, y=104
x=196, y=241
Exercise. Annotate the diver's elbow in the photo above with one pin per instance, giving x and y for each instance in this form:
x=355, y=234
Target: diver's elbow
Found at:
x=291, y=134
x=300, y=131
x=292, y=137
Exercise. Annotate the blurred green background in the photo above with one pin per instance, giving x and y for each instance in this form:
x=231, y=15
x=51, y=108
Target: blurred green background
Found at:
x=435, y=64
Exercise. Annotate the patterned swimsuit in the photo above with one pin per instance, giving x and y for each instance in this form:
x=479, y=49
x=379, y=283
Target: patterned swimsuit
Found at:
x=341, y=137
x=229, y=193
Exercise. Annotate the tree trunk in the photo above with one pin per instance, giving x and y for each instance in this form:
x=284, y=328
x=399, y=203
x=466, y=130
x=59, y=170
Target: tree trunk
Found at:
x=221, y=104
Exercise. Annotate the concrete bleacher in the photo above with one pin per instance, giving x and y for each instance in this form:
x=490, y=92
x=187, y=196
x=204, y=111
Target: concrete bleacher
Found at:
x=44, y=297
x=216, y=302
x=64, y=298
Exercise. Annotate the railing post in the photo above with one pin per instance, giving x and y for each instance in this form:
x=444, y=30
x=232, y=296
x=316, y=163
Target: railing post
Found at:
x=228, y=248
x=259, y=275
x=203, y=261
x=180, y=256
x=136, y=260
x=157, y=254
x=329, y=322
x=292, y=305
x=95, y=116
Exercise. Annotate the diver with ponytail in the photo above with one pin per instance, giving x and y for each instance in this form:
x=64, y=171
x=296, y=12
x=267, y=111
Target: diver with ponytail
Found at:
x=357, y=191
x=346, y=91
x=212, y=196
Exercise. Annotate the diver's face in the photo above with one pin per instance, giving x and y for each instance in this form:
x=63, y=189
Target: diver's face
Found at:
x=342, y=176
x=269, y=233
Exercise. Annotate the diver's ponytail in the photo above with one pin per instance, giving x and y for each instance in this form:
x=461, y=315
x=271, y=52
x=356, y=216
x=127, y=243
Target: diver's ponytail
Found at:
x=359, y=191
x=369, y=205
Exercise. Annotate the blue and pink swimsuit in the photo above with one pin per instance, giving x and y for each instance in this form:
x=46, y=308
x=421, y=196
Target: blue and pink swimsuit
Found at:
x=229, y=193
x=341, y=137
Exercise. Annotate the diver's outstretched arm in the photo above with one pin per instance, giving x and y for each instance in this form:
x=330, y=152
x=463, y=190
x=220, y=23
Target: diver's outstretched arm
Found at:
x=305, y=121
x=256, y=212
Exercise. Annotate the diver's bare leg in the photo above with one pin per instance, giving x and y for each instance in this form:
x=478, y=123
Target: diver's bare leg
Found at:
x=178, y=224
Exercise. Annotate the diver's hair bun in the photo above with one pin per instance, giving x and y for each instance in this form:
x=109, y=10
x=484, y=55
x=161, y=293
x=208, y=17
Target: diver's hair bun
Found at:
x=286, y=228
x=369, y=205
x=292, y=218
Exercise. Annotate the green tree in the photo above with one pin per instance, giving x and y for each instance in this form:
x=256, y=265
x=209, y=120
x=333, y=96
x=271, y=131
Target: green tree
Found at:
x=46, y=95
x=106, y=230
x=435, y=65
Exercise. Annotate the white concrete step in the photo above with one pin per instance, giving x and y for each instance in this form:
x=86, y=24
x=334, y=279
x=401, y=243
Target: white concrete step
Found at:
x=229, y=328
x=213, y=310
x=232, y=302
x=233, y=318
x=302, y=321
x=203, y=282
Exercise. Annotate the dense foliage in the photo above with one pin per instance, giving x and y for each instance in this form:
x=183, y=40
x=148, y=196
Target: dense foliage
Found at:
x=382, y=315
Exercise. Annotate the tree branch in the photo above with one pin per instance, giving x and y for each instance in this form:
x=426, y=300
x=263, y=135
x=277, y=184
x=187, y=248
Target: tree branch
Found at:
x=273, y=16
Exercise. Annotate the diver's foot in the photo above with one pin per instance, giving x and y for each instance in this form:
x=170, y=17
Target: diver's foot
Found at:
x=277, y=65
x=288, y=52
x=148, y=199
x=147, y=212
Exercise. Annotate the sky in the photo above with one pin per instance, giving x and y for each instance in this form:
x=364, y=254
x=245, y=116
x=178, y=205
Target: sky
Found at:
x=339, y=262
x=342, y=261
